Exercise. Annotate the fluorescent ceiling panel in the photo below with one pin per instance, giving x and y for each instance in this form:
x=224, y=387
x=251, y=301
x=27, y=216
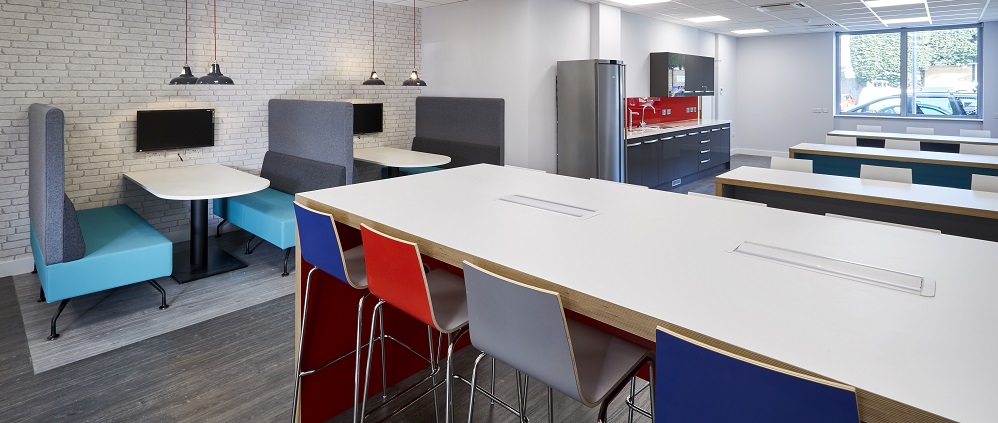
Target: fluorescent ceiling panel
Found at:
x=906, y=20
x=638, y=2
x=749, y=31
x=887, y=3
x=702, y=19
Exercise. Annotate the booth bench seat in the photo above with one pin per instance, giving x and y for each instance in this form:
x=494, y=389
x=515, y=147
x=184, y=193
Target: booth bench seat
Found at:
x=268, y=214
x=121, y=249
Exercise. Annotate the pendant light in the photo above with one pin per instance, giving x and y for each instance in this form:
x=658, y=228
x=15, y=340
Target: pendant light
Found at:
x=414, y=80
x=373, y=80
x=215, y=76
x=186, y=76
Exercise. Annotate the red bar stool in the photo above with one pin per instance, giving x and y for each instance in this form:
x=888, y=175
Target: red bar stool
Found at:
x=395, y=275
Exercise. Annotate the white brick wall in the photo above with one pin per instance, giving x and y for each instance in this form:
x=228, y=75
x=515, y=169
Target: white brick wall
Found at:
x=102, y=60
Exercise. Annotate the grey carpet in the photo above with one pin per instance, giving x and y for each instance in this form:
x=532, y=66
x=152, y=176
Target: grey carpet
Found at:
x=97, y=323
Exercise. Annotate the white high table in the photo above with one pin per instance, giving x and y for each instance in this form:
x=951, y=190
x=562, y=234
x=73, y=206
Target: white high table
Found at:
x=197, y=258
x=634, y=259
x=942, y=139
x=394, y=158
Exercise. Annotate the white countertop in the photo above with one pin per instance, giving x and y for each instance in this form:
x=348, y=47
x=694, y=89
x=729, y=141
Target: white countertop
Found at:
x=397, y=157
x=665, y=255
x=945, y=139
x=925, y=197
x=675, y=127
x=200, y=182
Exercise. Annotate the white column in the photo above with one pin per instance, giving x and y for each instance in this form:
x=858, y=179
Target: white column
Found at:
x=605, y=32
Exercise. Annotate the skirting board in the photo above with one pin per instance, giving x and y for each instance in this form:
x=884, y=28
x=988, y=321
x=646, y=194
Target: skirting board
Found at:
x=754, y=152
x=18, y=266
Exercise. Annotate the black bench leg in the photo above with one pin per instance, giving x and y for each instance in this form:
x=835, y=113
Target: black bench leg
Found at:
x=249, y=250
x=218, y=230
x=34, y=270
x=41, y=294
x=62, y=305
x=287, y=254
x=162, y=292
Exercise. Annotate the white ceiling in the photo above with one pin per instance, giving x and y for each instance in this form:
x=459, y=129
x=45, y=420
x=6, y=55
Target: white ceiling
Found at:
x=818, y=16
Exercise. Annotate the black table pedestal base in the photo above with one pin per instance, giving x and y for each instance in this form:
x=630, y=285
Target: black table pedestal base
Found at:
x=219, y=261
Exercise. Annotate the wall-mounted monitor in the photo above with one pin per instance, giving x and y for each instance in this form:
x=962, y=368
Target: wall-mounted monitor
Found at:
x=368, y=118
x=174, y=129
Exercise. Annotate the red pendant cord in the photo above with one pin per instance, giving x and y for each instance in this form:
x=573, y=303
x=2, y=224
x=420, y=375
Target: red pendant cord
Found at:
x=186, y=17
x=372, y=36
x=215, y=27
x=413, y=35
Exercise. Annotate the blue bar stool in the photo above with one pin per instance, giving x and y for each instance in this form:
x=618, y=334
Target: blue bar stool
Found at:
x=709, y=385
x=320, y=246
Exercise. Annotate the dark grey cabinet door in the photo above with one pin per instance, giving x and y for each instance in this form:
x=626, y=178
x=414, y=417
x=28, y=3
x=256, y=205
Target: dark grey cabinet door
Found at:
x=689, y=152
x=722, y=144
x=668, y=159
x=634, y=162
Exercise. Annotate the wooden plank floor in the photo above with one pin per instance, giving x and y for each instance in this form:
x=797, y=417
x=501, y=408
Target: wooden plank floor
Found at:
x=96, y=323
x=236, y=367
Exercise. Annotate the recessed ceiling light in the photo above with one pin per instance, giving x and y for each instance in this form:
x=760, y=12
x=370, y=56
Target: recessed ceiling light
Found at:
x=749, y=31
x=639, y=2
x=703, y=19
x=906, y=20
x=888, y=3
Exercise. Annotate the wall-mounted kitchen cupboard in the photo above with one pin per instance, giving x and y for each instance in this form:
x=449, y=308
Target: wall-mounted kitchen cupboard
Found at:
x=681, y=75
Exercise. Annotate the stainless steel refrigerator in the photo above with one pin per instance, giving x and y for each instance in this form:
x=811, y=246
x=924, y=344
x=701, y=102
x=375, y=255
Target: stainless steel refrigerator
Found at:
x=591, y=107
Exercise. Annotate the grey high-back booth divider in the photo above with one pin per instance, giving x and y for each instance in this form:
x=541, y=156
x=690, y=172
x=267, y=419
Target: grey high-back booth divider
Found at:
x=52, y=215
x=316, y=130
x=463, y=119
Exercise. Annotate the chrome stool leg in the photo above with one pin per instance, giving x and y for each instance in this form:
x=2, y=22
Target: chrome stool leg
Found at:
x=301, y=339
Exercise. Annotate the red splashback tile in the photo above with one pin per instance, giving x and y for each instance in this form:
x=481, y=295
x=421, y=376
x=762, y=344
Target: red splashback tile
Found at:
x=677, y=107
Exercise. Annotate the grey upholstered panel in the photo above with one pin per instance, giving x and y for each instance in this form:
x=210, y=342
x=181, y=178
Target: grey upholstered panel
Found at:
x=73, y=246
x=293, y=174
x=460, y=153
x=317, y=130
x=46, y=179
x=473, y=120
x=522, y=327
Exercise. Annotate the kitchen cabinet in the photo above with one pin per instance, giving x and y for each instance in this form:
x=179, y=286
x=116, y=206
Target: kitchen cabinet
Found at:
x=669, y=70
x=683, y=154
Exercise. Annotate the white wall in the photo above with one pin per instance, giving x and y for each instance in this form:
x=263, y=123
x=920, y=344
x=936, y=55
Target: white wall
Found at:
x=101, y=61
x=784, y=77
x=781, y=78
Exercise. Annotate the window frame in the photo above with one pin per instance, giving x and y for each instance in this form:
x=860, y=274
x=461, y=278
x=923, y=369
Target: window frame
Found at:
x=903, y=98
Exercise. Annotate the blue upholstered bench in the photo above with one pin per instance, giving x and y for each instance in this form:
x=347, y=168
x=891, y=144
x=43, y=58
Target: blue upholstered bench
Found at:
x=121, y=249
x=82, y=252
x=270, y=214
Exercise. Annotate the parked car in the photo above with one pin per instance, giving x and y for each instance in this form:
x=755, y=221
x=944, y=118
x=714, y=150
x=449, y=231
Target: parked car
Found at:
x=926, y=103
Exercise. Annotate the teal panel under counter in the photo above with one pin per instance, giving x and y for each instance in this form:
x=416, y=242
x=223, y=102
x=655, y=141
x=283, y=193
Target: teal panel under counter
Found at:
x=942, y=175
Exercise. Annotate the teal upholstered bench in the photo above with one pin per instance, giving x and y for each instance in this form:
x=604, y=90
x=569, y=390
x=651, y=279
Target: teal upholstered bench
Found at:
x=82, y=252
x=121, y=249
x=270, y=214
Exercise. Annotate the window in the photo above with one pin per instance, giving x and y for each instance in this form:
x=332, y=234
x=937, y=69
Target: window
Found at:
x=939, y=68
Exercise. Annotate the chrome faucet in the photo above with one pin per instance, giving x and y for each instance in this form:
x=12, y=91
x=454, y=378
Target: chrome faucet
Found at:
x=630, y=119
x=643, y=107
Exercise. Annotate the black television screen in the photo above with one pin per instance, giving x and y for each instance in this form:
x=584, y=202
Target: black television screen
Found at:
x=367, y=118
x=174, y=129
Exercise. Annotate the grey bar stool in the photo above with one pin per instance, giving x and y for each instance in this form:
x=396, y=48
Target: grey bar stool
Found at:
x=526, y=328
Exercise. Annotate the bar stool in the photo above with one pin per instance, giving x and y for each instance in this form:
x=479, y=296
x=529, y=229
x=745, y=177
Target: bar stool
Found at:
x=837, y=140
x=884, y=173
x=320, y=246
x=794, y=165
x=395, y=275
x=710, y=385
x=526, y=328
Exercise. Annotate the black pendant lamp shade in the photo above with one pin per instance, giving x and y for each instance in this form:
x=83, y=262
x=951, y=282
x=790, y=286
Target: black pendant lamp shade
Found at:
x=215, y=76
x=186, y=76
x=414, y=80
x=373, y=80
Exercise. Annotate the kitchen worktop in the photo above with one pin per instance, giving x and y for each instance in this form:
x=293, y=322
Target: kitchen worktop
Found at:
x=682, y=125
